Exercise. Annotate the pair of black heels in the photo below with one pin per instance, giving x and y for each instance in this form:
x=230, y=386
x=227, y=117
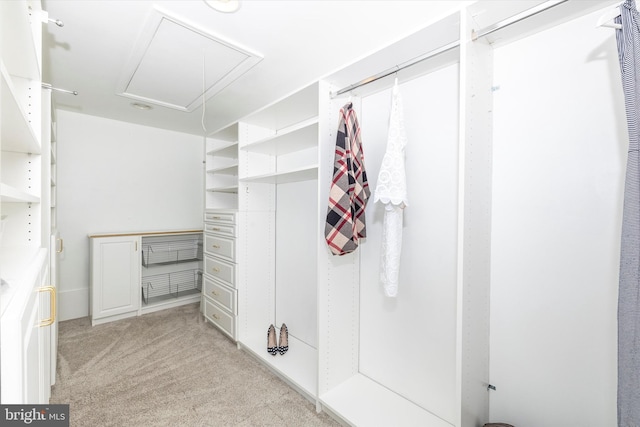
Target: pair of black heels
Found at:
x=282, y=345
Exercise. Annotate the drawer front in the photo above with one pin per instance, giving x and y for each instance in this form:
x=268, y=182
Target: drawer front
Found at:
x=226, y=218
x=221, y=294
x=220, y=246
x=221, y=270
x=219, y=317
x=224, y=229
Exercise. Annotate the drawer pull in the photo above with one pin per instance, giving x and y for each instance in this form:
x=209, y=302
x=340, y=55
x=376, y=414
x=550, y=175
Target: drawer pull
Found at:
x=215, y=316
x=215, y=228
x=215, y=269
x=214, y=293
x=216, y=246
x=215, y=217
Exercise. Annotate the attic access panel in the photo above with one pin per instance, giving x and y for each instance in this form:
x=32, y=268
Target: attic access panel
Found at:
x=173, y=63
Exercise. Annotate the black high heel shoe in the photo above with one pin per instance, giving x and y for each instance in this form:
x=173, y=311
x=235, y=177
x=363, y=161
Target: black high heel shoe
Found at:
x=283, y=344
x=272, y=345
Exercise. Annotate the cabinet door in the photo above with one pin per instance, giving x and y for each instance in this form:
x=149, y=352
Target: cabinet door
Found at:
x=115, y=276
x=21, y=354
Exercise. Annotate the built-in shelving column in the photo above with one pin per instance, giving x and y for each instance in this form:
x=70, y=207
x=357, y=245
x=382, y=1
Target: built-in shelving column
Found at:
x=278, y=234
x=21, y=170
x=221, y=175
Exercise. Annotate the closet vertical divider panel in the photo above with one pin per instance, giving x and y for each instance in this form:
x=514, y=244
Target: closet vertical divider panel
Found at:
x=278, y=234
x=474, y=225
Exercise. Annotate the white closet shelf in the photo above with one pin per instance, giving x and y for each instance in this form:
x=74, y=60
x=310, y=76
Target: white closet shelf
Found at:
x=296, y=137
x=362, y=401
x=9, y=194
x=228, y=133
x=17, y=133
x=296, y=175
x=298, y=365
x=229, y=189
x=230, y=150
x=20, y=53
x=225, y=170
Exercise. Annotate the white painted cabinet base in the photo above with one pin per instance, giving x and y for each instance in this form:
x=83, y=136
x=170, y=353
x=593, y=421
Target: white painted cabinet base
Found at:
x=133, y=274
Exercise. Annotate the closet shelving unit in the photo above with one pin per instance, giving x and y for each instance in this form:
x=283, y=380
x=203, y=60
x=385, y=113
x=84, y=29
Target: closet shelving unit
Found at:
x=285, y=168
x=338, y=321
x=20, y=137
x=219, y=296
x=28, y=344
x=221, y=177
x=279, y=196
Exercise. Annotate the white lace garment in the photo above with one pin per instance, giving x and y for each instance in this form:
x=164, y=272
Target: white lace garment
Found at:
x=391, y=190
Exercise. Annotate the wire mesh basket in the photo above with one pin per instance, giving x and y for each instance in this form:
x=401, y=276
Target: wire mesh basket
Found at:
x=171, y=249
x=171, y=285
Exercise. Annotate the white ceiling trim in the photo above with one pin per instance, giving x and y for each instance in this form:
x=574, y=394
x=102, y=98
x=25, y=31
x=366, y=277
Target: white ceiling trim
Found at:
x=177, y=65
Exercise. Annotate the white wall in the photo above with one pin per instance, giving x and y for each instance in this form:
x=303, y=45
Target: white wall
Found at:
x=559, y=156
x=119, y=177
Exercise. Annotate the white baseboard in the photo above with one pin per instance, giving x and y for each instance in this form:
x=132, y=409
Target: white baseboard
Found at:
x=73, y=304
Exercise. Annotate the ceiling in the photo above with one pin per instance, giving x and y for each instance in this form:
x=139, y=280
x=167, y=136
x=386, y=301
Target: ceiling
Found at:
x=173, y=55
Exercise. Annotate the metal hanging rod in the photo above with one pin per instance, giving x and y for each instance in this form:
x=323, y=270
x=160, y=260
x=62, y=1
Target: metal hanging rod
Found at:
x=475, y=35
x=397, y=68
x=516, y=18
x=48, y=86
x=58, y=22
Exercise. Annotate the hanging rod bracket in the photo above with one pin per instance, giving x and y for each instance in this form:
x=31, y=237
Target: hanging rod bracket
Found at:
x=46, y=19
x=48, y=86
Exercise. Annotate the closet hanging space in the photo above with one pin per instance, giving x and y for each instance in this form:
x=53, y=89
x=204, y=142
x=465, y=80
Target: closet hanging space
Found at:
x=377, y=364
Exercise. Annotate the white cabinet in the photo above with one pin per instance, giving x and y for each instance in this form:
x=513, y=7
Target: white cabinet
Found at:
x=133, y=274
x=219, y=294
x=115, y=277
x=26, y=326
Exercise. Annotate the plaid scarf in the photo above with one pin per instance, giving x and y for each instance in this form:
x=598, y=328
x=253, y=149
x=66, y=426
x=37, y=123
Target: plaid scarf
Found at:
x=349, y=189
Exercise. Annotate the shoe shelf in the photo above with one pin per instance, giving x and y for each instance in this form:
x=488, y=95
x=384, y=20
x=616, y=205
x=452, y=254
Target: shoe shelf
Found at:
x=297, y=366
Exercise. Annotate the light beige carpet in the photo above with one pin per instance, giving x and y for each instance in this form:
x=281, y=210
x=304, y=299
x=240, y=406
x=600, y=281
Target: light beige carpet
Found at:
x=169, y=368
